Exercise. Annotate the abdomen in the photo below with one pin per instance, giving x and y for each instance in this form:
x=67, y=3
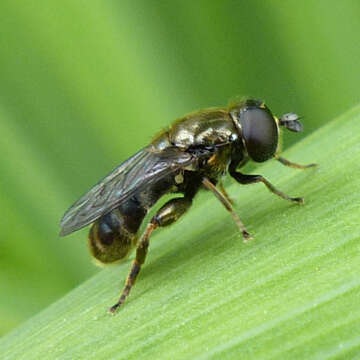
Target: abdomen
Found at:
x=112, y=236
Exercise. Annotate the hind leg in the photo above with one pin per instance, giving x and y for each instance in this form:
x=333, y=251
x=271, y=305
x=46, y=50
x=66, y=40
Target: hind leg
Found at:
x=167, y=215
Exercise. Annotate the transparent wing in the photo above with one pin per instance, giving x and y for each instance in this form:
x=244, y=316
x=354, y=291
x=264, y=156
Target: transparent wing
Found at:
x=142, y=169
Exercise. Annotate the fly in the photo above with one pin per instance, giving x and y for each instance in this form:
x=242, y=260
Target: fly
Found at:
x=193, y=153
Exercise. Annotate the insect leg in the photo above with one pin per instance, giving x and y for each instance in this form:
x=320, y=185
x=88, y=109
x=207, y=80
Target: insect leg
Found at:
x=292, y=164
x=210, y=186
x=224, y=192
x=136, y=265
x=252, y=179
x=167, y=214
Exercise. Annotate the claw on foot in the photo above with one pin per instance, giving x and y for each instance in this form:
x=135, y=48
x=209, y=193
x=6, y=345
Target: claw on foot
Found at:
x=246, y=236
x=113, y=309
x=299, y=200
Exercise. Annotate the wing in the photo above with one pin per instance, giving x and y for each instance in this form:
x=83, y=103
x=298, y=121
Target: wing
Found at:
x=142, y=169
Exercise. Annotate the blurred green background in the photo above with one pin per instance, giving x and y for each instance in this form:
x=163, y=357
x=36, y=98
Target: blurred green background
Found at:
x=84, y=84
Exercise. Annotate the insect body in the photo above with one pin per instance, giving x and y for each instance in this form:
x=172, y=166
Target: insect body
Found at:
x=193, y=153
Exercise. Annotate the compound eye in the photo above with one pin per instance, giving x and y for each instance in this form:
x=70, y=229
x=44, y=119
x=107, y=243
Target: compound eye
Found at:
x=260, y=132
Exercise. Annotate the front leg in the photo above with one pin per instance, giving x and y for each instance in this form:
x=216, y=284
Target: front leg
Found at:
x=292, y=164
x=252, y=179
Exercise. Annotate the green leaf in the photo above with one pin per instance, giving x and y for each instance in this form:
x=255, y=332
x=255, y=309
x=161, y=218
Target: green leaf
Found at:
x=85, y=84
x=290, y=293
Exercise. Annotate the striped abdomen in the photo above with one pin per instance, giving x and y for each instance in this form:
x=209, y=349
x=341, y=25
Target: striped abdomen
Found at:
x=112, y=236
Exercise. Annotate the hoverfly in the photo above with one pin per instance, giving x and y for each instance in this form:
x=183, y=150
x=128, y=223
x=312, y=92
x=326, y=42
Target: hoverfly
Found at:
x=193, y=153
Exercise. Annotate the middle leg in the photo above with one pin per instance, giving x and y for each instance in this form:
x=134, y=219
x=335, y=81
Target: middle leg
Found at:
x=224, y=192
x=210, y=186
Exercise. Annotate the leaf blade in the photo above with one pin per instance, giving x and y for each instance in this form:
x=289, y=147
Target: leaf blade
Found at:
x=290, y=293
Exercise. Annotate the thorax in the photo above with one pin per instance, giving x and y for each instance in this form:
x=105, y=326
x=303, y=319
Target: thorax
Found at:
x=199, y=129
